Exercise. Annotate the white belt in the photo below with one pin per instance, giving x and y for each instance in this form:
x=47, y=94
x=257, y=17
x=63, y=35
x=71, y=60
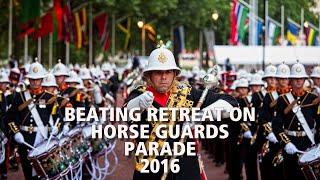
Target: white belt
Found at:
x=30, y=129
x=297, y=133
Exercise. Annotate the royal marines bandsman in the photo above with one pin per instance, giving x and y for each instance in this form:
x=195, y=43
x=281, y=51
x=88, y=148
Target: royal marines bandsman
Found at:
x=295, y=121
x=163, y=90
x=67, y=93
x=271, y=165
x=315, y=76
x=29, y=117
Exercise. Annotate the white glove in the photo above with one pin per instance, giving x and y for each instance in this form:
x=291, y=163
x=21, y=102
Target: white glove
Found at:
x=247, y=134
x=54, y=130
x=65, y=129
x=272, y=138
x=143, y=101
x=290, y=148
x=18, y=137
x=97, y=94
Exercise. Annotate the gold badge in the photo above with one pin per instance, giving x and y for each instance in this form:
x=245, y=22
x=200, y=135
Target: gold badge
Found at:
x=298, y=69
x=162, y=58
x=284, y=70
x=35, y=69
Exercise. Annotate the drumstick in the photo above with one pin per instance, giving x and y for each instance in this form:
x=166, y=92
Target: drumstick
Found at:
x=27, y=144
x=50, y=137
x=302, y=152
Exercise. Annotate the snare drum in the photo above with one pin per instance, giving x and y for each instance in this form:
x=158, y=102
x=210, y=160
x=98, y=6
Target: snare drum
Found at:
x=47, y=161
x=310, y=163
x=78, y=144
x=98, y=145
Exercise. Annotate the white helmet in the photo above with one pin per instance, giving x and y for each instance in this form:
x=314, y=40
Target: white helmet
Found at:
x=4, y=78
x=36, y=71
x=256, y=79
x=106, y=67
x=261, y=72
x=270, y=71
x=298, y=71
x=85, y=74
x=242, y=74
x=73, y=77
x=283, y=71
x=161, y=59
x=316, y=72
x=60, y=69
x=234, y=84
x=49, y=81
x=242, y=83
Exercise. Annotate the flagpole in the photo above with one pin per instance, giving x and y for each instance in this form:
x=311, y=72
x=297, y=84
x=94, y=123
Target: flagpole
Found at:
x=90, y=36
x=282, y=23
x=113, y=35
x=10, y=30
x=39, y=49
x=67, y=52
x=25, y=49
x=265, y=4
x=302, y=19
x=266, y=24
x=50, y=49
x=200, y=48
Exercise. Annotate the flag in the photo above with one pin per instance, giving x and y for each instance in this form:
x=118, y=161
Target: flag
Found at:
x=259, y=32
x=68, y=23
x=179, y=43
x=45, y=27
x=292, y=33
x=83, y=21
x=58, y=20
x=273, y=32
x=233, y=38
x=150, y=32
x=242, y=22
x=125, y=27
x=77, y=30
x=311, y=34
x=26, y=29
x=30, y=10
x=101, y=22
x=239, y=22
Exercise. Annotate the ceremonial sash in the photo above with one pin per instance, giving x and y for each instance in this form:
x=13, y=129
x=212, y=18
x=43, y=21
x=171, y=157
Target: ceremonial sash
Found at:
x=297, y=110
x=33, y=109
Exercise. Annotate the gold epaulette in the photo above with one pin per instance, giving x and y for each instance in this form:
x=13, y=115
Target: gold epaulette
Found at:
x=141, y=88
x=284, y=138
x=244, y=127
x=267, y=128
x=13, y=127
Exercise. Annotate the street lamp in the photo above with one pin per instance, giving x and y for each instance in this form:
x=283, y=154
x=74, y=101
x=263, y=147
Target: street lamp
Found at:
x=215, y=16
x=140, y=24
x=143, y=37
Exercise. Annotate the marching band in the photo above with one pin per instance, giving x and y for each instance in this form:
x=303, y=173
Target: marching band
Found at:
x=281, y=143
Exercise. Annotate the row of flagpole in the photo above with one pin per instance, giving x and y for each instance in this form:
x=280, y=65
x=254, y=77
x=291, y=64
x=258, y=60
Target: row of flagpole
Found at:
x=253, y=18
